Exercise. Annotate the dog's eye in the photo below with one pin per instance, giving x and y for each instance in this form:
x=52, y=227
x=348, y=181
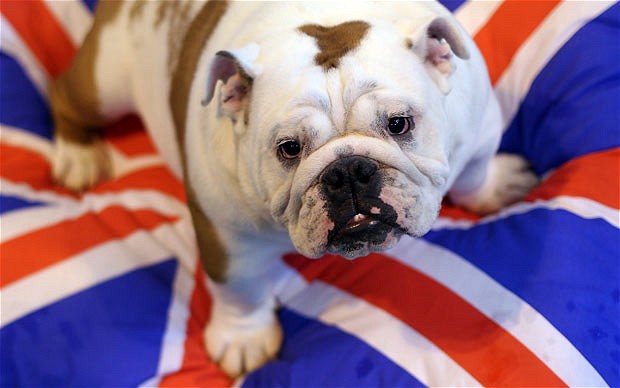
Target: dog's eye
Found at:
x=289, y=149
x=400, y=125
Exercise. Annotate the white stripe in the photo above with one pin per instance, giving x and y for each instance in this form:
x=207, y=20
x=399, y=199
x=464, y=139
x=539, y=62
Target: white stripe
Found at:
x=75, y=18
x=122, y=164
x=390, y=336
x=473, y=15
x=173, y=342
x=503, y=307
x=15, y=224
x=12, y=44
x=92, y=267
x=20, y=138
x=579, y=206
x=22, y=190
x=561, y=24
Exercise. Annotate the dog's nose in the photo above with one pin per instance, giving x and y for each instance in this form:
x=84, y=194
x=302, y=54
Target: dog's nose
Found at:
x=349, y=174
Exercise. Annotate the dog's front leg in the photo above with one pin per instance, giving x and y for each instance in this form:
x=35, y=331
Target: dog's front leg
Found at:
x=490, y=181
x=243, y=332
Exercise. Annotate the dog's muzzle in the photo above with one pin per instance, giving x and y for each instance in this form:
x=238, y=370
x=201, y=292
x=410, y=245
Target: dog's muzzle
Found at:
x=351, y=188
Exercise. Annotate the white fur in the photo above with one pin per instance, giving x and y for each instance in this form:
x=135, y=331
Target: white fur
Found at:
x=240, y=340
x=79, y=166
x=508, y=180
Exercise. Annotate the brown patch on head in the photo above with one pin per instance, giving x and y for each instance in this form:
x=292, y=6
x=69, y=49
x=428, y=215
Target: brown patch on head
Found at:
x=335, y=42
x=212, y=253
x=74, y=95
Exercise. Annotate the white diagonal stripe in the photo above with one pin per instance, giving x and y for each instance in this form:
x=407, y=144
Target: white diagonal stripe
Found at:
x=62, y=208
x=580, y=206
x=93, y=267
x=502, y=306
x=75, y=18
x=387, y=334
x=17, y=137
x=12, y=44
x=557, y=28
x=473, y=15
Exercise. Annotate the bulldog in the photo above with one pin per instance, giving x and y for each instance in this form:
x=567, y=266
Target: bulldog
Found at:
x=322, y=127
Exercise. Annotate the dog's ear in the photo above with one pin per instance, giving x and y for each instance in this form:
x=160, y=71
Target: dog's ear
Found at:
x=236, y=70
x=436, y=46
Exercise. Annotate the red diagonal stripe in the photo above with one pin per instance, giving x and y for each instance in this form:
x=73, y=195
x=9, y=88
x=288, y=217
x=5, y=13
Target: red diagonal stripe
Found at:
x=24, y=166
x=42, y=248
x=483, y=348
x=197, y=369
x=595, y=176
x=43, y=34
x=509, y=27
x=129, y=137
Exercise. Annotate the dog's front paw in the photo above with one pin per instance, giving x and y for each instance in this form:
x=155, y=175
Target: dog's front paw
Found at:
x=240, y=344
x=509, y=179
x=79, y=166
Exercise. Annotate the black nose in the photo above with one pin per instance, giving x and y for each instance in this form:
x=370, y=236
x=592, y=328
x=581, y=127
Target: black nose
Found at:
x=348, y=175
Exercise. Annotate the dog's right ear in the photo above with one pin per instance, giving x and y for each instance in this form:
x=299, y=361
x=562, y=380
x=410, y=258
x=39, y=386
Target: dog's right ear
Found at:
x=436, y=44
x=236, y=69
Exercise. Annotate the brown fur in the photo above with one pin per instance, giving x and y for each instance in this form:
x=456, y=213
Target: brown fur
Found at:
x=74, y=96
x=212, y=253
x=335, y=42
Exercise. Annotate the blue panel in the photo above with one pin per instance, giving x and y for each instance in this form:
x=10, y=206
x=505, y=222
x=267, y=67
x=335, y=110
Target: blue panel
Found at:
x=91, y=4
x=109, y=335
x=452, y=5
x=9, y=203
x=566, y=267
x=573, y=106
x=317, y=355
x=21, y=105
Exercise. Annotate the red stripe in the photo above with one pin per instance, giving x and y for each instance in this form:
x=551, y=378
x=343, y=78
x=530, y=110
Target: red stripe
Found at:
x=24, y=166
x=20, y=165
x=510, y=26
x=483, y=348
x=197, y=369
x=42, y=248
x=157, y=178
x=43, y=34
x=129, y=136
x=449, y=210
x=595, y=176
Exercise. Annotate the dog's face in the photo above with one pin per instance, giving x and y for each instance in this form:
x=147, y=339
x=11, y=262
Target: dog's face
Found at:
x=351, y=153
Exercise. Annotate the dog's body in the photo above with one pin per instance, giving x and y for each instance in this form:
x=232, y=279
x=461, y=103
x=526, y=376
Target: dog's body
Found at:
x=338, y=126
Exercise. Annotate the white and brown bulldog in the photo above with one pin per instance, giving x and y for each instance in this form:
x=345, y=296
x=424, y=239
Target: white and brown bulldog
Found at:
x=337, y=126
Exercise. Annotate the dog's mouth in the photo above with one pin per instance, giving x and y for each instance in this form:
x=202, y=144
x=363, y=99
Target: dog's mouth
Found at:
x=362, y=233
x=359, y=223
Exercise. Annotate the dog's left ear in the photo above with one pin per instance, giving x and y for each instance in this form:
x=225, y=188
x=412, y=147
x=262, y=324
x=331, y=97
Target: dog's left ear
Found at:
x=236, y=69
x=436, y=46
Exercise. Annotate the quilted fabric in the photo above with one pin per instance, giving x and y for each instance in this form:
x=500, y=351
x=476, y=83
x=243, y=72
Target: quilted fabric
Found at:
x=105, y=288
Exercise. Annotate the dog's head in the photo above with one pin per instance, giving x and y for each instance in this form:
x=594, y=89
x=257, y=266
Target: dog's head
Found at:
x=342, y=129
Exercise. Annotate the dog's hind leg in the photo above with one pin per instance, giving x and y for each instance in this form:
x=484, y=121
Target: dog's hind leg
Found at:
x=80, y=103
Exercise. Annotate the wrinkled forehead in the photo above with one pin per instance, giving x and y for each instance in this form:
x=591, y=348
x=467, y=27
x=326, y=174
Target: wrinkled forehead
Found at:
x=315, y=64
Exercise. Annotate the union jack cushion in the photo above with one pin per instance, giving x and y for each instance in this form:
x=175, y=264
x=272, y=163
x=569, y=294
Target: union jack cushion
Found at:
x=105, y=288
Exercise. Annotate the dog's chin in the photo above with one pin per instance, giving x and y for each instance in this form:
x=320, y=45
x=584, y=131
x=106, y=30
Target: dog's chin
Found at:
x=356, y=249
x=356, y=239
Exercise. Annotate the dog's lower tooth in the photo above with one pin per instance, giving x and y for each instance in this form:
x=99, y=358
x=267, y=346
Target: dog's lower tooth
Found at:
x=359, y=217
